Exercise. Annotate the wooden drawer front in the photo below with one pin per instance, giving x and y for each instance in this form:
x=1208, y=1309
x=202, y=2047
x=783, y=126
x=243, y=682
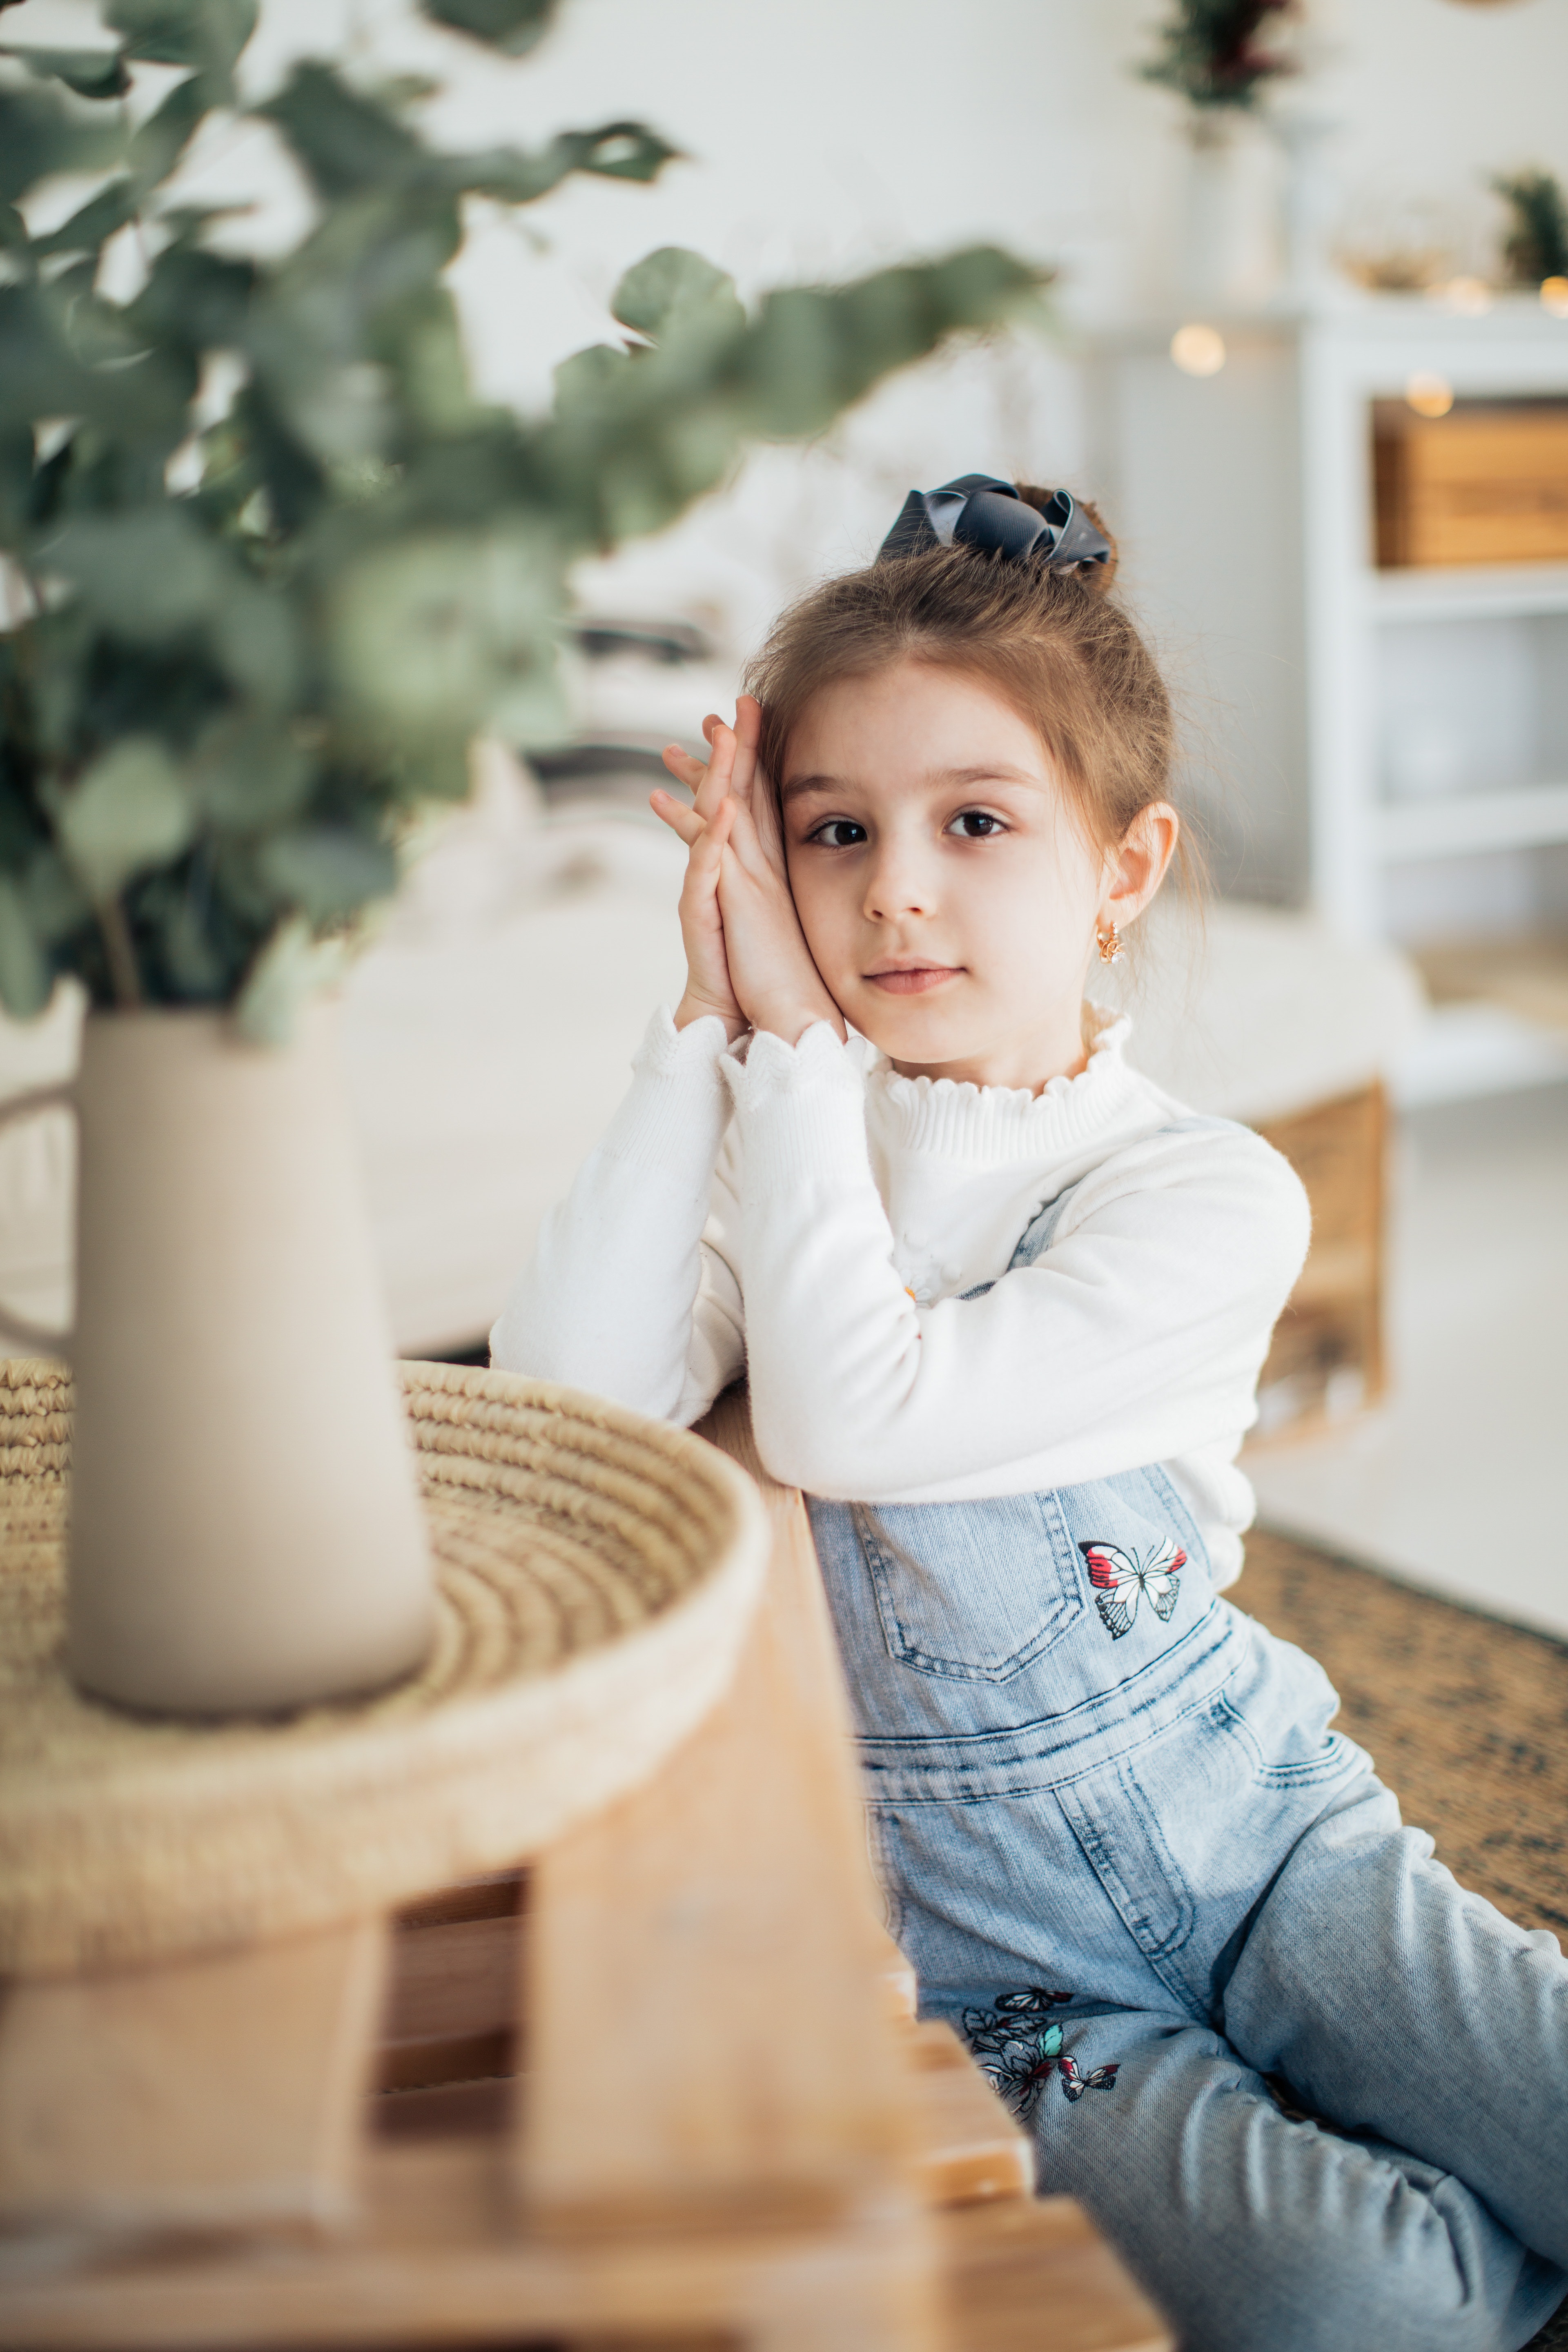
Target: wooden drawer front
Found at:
x=1479, y=486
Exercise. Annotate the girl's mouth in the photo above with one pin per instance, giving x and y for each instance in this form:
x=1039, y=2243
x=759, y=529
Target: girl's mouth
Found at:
x=912, y=979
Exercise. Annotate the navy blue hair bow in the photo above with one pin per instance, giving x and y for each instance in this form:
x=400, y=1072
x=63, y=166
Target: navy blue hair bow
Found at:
x=978, y=510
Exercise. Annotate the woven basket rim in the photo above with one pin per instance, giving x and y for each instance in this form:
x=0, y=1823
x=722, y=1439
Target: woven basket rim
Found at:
x=606, y=1713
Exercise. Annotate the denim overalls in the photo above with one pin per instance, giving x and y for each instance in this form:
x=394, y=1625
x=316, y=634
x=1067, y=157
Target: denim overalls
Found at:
x=1130, y=1860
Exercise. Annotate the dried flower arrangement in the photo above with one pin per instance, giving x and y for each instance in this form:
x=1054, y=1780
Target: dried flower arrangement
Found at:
x=1536, y=246
x=1211, y=52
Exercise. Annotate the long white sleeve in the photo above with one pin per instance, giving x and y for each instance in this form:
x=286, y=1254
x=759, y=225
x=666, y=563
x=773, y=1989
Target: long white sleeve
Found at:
x=1137, y=1338
x=622, y=1296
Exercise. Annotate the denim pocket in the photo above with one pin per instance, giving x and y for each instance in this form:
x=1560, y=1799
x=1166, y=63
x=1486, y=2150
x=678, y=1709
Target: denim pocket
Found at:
x=1289, y=1755
x=971, y=1591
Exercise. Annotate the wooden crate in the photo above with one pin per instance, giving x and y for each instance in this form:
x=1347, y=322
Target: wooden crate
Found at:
x=666, y=2090
x=1486, y=484
x=1326, y=1360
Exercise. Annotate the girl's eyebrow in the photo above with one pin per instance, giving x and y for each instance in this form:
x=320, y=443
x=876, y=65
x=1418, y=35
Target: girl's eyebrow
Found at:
x=941, y=776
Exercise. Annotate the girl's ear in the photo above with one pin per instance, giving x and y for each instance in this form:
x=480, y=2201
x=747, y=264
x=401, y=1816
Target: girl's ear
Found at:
x=1137, y=867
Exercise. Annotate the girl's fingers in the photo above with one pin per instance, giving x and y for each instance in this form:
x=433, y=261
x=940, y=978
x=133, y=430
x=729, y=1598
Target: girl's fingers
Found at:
x=748, y=732
x=698, y=833
x=676, y=815
x=683, y=767
x=749, y=840
x=714, y=788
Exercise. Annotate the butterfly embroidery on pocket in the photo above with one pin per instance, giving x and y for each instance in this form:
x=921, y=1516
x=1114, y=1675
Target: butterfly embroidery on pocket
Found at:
x=1075, y=2082
x=1120, y=1579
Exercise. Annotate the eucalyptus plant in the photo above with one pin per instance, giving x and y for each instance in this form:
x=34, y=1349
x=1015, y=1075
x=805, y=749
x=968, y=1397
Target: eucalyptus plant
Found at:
x=244, y=647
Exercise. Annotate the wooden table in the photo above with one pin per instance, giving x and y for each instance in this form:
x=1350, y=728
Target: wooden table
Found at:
x=664, y=2088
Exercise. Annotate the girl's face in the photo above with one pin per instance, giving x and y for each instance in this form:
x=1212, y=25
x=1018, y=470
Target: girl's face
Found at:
x=945, y=892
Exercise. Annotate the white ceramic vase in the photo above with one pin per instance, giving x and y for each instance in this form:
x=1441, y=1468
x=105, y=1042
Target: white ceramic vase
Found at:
x=1227, y=259
x=244, y=1528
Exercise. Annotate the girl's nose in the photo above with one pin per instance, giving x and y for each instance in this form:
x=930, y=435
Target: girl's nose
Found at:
x=899, y=883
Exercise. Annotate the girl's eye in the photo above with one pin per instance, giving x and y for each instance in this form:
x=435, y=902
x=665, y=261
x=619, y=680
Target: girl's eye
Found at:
x=977, y=825
x=839, y=833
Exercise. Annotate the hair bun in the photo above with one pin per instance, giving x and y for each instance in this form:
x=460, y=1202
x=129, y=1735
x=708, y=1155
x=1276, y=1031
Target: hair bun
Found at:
x=1096, y=576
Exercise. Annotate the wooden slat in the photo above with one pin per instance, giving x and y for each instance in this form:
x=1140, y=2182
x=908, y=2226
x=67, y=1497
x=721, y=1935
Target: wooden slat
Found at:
x=432, y=2265
x=969, y=2147
x=738, y=1985
x=1031, y=2275
x=220, y=2094
x=500, y=1894
x=901, y=1993
x=436, y=2261
x=451, y=1982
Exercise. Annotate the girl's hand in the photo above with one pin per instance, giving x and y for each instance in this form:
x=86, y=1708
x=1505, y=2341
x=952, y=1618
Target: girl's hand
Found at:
x=705, y=829
x=770, y=970
x=708, y=988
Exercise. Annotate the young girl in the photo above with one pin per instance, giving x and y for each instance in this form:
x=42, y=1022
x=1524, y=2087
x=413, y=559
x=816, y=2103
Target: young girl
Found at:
x=1002, y=1303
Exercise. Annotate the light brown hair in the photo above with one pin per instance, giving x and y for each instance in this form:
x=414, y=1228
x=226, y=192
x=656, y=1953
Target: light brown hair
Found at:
x=1054, y=644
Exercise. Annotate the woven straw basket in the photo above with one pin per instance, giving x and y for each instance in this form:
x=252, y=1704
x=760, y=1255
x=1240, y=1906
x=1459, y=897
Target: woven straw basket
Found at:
x=597, y=1571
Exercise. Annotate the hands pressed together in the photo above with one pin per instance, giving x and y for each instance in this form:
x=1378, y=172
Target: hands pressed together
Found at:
x=746, y=957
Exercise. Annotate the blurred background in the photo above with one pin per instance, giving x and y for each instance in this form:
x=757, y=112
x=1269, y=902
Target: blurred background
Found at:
x=1307, y=350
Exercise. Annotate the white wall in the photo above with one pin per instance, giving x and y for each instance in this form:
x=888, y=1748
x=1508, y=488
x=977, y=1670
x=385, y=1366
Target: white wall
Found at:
x=832, y=135
x=838, y=134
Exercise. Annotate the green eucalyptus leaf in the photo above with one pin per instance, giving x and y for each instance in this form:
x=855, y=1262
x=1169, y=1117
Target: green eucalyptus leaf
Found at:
x=88, y=230
x=813, y=350
x=172, y=923
x=432, y=767
x=431, y=633
x=208, y=35
x=15, y=483
x=248, y=774
x=27, y=978
x=56, y=903
x=40, y=375
x=345, y=140
x=150, y=574
x=589, y=384
x=616, y=151
x=290, y=479
x=530, y=710
x=255, y=636
x=91, y=73
x=619, y=151
x=41, y=132
x=421, y=341
x=513, y=26
x=672, y=285
x=197, y=300
x=129, y=811
x=325, y=872
x=350, y=141
x=158, y=144
x=290, y=970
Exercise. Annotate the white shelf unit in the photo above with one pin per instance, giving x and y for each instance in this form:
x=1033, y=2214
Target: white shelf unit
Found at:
x=1390, y=748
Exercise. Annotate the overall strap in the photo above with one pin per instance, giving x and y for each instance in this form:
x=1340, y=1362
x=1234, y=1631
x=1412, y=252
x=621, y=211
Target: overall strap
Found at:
x=1041, y=1230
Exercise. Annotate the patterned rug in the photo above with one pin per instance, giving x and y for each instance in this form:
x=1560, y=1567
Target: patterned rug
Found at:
x=1467, y=1718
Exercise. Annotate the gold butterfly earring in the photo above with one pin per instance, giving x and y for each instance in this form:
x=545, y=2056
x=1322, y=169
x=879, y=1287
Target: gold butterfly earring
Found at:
x=1108, y=939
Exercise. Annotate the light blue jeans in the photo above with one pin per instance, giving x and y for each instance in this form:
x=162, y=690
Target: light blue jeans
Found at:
x=1131, y=1862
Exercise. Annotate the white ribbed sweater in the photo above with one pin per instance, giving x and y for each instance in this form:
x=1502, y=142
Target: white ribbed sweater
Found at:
x=805, y=1212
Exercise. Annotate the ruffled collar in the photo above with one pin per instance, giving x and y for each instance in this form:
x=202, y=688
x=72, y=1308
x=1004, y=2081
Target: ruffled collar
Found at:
x=956, y=1119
